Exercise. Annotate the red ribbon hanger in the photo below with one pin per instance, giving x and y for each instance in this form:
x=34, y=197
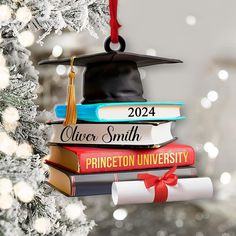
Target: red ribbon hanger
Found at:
x=114, y=24
x=160, y=183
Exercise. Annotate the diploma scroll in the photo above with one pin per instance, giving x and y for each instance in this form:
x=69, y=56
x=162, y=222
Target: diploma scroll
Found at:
x=134, y=192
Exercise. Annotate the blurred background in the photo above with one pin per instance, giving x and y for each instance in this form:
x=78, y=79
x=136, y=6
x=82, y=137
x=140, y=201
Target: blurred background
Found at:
x=203, y=34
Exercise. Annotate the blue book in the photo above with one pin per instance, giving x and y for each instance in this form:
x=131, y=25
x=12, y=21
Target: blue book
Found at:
x=125, y=111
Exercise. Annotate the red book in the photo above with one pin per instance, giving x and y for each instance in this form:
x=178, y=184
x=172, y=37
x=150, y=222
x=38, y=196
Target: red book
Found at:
x=93, y=160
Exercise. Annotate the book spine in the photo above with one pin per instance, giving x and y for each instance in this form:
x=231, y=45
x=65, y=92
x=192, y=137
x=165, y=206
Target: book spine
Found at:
x=181, y=172
x=143, y=159
x=90, y=189
x=81, y=190
x=84, y=112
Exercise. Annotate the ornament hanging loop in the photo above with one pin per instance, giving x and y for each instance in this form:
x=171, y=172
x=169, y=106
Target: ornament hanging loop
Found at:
x=121, y=41
x=114, y=38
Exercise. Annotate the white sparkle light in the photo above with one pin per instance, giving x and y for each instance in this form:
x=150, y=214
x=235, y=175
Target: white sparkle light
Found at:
x=4, y=77
x=120, y=214
x=61, y=69
x=74, y=210
x=208, y=146
x=26, y=38
x=5, y=13
x=211, y=149
x=206, y=103
x=10, y=115
x=57, y=51
x=212, y=96
x=7, y=144
x=179, y=223
x=225, y=178
x=191, y=20
x=5, y=186
x=23, y=15
x=6, y=201
x=223, y=75
x=2, y=60
x=213, y=152
x=24, y=151
x=24, y=191
x=42, y=225
x=10, y=127
x=151, y=52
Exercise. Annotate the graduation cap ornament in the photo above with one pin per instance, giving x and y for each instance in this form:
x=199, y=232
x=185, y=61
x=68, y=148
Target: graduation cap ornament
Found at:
x=111, y=76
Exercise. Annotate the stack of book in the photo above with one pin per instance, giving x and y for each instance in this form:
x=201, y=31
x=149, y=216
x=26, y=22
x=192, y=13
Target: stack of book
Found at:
x=114, y=144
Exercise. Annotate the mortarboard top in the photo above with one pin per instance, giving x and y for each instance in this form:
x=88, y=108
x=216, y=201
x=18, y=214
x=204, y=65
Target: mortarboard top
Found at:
x=112, y=76
x=106, y=57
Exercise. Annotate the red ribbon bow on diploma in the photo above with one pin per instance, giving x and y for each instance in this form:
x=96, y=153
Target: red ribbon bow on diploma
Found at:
x=160, y=183
x=113, y=21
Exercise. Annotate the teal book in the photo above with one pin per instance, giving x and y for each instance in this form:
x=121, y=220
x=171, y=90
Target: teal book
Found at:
x=125, y=111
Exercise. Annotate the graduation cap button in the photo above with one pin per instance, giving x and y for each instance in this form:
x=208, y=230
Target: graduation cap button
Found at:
x=108, y=43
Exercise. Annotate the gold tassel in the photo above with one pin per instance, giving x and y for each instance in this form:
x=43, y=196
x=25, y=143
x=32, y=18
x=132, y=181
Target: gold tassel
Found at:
x=71, y=113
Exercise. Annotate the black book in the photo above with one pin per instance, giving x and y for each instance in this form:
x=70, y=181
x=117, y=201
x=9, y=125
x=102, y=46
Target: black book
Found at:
x=75, y=185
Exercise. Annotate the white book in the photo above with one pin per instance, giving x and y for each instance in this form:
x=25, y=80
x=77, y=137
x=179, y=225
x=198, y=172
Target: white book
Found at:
x=125, y=112
x=133, y=134
x=144, y=112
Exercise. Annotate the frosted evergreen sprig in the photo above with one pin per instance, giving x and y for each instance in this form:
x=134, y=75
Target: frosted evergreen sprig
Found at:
x=27, y=205
x=55, y=15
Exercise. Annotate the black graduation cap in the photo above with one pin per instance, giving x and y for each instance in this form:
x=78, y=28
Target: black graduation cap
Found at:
x=112, y=76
